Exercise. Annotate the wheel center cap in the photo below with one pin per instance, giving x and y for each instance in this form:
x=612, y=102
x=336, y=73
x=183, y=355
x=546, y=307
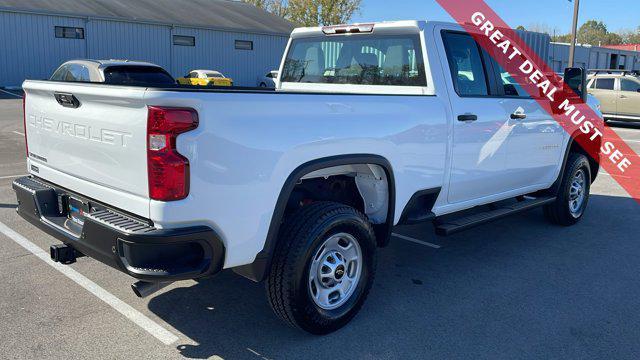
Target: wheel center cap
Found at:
x=339, y=272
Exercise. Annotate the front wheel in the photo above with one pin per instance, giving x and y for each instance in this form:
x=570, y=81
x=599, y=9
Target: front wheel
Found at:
x=573, y=194
x=323, y=267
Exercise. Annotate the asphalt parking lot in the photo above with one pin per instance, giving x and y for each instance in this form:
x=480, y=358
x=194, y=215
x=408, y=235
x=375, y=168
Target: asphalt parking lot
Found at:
x=516, y=288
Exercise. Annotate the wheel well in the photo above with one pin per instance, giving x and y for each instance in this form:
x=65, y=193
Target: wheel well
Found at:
x=594, y=149
x=345, y=169
x=362, y=186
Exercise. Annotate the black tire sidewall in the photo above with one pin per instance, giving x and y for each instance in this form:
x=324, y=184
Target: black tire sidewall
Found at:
x=313, y=318
x=577, y=162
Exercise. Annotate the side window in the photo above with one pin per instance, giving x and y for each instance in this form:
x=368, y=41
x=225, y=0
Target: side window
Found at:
x=605, y=84
x=465, y=62
x=60, y=74
x=77, y=73
x=509, y=85
x=629, y=85
x=193, y=75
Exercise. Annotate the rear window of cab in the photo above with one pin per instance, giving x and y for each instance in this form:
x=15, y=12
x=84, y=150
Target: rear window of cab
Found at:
x=356, y=60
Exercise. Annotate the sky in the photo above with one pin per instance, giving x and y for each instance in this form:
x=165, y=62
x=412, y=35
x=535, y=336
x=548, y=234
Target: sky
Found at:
x=617, y=15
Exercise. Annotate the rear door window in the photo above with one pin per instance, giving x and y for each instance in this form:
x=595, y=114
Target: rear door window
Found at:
x=78, y=72
x=358, y=60
x=60, y=74
x=466, y=65
x=71, y=73
x=605, y=84
x=629, y=85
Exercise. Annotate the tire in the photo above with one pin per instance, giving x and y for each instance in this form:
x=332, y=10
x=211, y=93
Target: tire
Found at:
x=567, y=209
x=263, y=85
x=305, y=244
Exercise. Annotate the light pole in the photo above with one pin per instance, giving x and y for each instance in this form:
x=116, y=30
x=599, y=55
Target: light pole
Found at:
x=574, y=32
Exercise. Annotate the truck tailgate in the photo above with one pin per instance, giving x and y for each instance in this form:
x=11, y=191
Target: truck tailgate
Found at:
x=90, y=139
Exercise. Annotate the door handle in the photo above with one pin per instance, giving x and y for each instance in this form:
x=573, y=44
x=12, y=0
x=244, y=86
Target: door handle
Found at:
x=518, y=116
x=467, y=117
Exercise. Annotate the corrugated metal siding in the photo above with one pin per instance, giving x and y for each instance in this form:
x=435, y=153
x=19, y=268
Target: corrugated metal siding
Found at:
x=538, y=42
x=29, y=48
x=592, y=57
x=121, y=40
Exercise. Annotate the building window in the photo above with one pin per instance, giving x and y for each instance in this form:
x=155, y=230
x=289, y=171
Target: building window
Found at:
x=184, y=40
x=65, y=32
x=244, y=45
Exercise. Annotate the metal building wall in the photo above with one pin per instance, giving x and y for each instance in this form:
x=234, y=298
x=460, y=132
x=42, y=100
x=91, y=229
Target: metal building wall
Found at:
x=122, y=40
x=538, y=42
x=592, y=57
x=30, y=50
x=216, y=50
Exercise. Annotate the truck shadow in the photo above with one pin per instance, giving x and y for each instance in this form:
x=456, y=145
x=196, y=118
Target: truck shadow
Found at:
x=495, y=289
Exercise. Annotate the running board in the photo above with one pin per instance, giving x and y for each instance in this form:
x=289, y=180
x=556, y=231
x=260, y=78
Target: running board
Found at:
x=456, y=225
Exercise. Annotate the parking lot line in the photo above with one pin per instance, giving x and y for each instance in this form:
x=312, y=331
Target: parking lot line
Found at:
x=11, y=176
x=625, y=130
x=416, y=241
x=10, y=93
x=18, y=133
x=160, y=333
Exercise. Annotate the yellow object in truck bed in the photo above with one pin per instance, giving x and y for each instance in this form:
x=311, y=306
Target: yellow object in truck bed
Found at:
x=205, y=78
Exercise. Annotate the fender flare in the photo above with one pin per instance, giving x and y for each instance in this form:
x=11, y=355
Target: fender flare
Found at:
x=556, y=185
x=258, y=270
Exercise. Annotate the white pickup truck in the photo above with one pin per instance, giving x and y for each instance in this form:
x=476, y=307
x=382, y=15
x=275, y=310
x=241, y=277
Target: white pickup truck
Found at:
x=372, y=126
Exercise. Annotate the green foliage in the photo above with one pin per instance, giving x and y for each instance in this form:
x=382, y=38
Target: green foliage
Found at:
x=311, y=12
x=595, y=33
x=631, y=37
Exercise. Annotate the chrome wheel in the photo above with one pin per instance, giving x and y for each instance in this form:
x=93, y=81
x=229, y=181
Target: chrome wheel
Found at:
x=335, y=271
x=577, y=193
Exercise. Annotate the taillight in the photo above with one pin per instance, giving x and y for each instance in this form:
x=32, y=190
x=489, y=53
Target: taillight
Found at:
x=24, y=122
x=168, y=171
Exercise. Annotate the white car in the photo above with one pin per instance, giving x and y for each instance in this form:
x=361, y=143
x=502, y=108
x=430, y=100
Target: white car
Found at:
x=299, y=187
x=268, y=80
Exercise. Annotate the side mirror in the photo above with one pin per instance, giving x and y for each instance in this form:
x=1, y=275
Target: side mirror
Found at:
x=576, y=80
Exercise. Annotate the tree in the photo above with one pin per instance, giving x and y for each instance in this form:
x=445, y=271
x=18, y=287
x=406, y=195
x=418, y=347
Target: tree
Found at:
x=595, y=33
x=520, y=27
x=276, y=7
x=631, y=37
x=311, y=12
x=566, y=38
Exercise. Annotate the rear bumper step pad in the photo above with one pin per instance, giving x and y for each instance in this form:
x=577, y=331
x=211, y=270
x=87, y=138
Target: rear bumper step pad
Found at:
x=127, y=243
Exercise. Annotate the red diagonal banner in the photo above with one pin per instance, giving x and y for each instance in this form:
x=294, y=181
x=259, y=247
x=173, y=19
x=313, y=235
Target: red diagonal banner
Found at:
x=538, y=79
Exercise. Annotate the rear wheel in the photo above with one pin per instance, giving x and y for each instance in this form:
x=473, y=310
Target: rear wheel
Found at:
x=573, y=194
x=263, y=85
x=323, y=267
